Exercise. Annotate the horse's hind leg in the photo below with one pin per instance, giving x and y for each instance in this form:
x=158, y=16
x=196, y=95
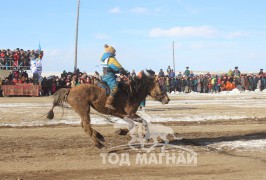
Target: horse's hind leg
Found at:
x=77, y=100
x=94, y=135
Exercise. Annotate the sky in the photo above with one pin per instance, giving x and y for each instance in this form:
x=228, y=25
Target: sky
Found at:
x=208, y=35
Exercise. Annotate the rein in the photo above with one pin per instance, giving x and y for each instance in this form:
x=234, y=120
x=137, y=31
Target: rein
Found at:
x=157, y=96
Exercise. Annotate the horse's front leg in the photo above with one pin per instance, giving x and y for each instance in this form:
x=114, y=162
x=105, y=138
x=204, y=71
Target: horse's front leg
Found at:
x=130, y=124
x=144, y=132
x=130, y=119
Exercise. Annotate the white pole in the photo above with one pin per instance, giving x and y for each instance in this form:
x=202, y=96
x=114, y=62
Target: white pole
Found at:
x=174, y=56
x=76, y=46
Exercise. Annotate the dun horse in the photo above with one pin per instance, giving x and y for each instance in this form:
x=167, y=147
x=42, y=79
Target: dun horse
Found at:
x=81, y=98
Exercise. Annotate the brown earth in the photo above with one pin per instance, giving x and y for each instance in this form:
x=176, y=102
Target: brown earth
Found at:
x=66, y=152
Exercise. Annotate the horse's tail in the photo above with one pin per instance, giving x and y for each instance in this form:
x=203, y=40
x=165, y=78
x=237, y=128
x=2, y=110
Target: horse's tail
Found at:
x=60, y=97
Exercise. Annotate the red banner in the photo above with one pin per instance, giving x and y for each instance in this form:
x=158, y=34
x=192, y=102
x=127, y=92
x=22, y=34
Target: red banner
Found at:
x=21, y=90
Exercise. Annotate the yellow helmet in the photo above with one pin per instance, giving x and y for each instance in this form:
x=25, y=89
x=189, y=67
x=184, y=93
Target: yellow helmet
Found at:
x=109, y=49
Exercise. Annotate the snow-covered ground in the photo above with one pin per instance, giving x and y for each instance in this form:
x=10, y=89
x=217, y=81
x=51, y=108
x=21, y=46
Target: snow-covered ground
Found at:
x=245, y=145
x=233, y=105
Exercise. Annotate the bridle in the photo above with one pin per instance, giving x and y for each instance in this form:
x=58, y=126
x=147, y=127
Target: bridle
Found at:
x=157, y=96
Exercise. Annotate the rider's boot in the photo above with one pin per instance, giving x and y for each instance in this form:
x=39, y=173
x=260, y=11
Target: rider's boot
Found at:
x=109, y=102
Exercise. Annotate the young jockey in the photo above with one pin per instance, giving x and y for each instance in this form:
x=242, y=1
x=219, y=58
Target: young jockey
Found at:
x=113, y=67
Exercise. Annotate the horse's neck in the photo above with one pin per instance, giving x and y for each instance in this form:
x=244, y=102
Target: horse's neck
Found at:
x=134, y=102
x=139, y=98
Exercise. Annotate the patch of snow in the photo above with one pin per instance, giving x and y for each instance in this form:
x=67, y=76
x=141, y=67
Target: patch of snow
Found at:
x=28, y=105
x=245, y=145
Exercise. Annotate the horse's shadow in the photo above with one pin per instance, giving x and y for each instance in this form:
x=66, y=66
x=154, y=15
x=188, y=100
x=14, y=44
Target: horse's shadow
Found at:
x=204, y=141
x=170, y=108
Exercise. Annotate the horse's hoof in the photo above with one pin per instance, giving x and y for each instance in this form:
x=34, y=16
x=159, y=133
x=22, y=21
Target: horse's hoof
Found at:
x=99, y=145
x=100, y=137
x=121, y=132
x=50, y=114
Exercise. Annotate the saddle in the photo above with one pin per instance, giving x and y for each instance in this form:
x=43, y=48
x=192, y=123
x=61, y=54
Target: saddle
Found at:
x=103, y=85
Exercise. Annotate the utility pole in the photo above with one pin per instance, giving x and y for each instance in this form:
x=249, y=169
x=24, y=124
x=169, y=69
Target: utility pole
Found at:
x=77, y=28
x=174, y=55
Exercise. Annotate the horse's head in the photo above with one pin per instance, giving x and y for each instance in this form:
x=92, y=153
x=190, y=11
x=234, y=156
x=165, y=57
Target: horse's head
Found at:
x=156, y=91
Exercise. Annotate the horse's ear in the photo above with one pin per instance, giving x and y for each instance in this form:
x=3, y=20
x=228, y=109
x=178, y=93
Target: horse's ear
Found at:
x=150, y=73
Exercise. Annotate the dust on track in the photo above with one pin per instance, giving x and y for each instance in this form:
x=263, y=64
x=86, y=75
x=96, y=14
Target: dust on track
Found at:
x=65, y=151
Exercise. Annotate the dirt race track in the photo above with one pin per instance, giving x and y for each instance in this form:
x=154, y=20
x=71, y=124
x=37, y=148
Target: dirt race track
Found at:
x=63, y=151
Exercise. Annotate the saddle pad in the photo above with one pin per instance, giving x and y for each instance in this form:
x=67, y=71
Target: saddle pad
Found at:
x=104, y=86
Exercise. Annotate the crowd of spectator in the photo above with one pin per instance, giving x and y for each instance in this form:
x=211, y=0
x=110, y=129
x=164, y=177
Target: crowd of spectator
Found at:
x=50, y=84
x=18, y=59
x=183, y=82
x=210, y=83
x=170, y=82
x=67, y=80
x=16, y=76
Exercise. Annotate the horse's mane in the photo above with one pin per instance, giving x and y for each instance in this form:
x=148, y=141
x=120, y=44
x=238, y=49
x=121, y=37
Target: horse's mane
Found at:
x=139, y=87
